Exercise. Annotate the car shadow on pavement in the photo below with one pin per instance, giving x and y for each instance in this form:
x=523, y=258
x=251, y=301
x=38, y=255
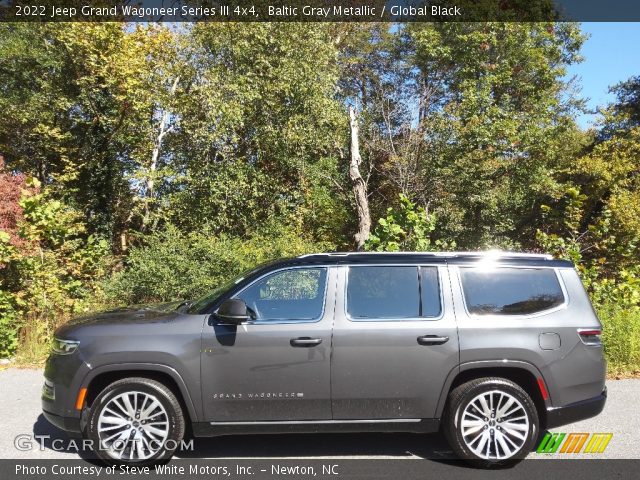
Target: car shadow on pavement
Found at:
x=359, y=445
x=50, y=437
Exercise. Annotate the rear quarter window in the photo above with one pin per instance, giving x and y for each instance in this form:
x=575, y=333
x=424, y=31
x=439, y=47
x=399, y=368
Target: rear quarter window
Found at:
x=510, y=291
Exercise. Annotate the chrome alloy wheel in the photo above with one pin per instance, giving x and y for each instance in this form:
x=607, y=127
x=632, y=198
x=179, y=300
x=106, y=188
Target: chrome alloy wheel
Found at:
x=133, y=426
x=494, y=425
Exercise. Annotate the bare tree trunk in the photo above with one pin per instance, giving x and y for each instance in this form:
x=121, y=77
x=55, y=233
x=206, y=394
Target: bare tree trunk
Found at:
x=155, y=155
x=358, y=184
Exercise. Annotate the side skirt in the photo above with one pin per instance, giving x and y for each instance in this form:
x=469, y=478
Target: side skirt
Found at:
x=410, y=425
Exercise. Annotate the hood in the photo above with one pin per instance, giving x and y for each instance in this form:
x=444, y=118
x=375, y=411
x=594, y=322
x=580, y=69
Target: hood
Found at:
x=134, y=314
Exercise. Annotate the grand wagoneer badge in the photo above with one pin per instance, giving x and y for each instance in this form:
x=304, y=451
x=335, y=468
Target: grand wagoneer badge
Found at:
x=257, y=395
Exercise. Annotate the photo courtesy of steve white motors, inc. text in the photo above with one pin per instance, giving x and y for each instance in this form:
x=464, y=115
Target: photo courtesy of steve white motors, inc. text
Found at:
x=275, y=469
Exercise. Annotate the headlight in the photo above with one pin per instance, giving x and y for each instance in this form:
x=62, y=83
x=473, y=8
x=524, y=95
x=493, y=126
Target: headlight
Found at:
x=64, y=347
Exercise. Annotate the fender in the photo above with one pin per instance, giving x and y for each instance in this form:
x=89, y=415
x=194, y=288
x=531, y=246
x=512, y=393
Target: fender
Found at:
x=194, y=413
x=483, y=364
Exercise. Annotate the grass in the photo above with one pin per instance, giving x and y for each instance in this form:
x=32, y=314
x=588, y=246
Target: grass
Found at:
x=34, y=345
x=621, y=338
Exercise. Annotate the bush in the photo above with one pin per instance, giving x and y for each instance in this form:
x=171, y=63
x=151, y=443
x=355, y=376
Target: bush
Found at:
x=621, y=337
x=49, y=269
x=172, y=265
x=8, y=325
x=407, y=227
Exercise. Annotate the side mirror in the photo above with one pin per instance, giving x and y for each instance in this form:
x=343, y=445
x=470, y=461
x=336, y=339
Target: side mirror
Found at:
x=233, y=310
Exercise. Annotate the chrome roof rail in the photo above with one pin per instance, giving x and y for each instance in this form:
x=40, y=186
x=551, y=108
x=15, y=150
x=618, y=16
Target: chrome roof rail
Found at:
x=485, y=253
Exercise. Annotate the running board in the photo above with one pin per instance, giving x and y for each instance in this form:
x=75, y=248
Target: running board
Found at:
x=321, y=422
x=415, y=425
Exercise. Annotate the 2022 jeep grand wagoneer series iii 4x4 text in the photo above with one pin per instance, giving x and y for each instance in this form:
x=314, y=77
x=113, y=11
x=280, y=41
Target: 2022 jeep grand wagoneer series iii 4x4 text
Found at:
x=492, y=348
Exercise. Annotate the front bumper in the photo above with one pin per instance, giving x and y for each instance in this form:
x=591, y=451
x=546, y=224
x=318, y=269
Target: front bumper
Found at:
x=68, y=424
x=63, y=376
x=577, y=411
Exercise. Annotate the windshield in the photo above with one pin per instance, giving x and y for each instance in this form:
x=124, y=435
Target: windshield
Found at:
x=202, y=304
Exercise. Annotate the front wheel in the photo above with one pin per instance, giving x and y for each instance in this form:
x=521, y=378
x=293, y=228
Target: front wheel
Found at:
x=135, y=421
x=491, y=422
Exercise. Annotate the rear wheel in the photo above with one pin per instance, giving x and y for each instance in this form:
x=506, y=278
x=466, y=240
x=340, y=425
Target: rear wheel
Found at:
x=491, y=422
x=135, y=421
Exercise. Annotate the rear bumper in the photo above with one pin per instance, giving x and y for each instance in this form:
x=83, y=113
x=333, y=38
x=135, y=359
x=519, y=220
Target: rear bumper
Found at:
x=577, y=411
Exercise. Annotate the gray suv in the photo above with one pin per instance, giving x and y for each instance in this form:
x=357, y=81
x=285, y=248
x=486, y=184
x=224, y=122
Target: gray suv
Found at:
x=491, y=348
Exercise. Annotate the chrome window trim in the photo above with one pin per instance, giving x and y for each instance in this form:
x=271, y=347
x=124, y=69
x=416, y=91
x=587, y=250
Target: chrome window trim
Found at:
x=284, y=321
x=439, y=267
x=503, y=316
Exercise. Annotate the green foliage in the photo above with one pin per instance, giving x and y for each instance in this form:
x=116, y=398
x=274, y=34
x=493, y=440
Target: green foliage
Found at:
x=170, y=158
x=9, y=323
x=406, y=228
x=270, y=119
x=593, y=248
x=624, y=114
x=621, y=337
x=173, y=266
x=51, y=276
x=497, y=124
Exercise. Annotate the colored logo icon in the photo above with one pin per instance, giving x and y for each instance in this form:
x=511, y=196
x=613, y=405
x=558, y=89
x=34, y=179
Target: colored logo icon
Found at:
x=574, y=443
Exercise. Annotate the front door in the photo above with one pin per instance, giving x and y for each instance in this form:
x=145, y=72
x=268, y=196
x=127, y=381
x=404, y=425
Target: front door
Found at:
x=277, y=366
x=394, y=342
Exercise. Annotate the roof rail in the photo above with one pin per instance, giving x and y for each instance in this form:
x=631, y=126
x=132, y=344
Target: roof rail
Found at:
x=485, y=253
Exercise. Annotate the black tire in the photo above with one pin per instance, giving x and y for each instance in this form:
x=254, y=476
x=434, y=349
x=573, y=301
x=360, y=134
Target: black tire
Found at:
x=170, y=417
x=459, y=403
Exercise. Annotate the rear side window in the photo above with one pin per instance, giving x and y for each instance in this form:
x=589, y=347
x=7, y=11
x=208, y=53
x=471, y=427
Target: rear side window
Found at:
x=510, y=291
x=430, y=292
x=393, y=292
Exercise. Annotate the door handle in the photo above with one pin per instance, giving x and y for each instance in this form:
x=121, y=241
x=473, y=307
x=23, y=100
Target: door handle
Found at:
x=305, y=342
x=432, y=340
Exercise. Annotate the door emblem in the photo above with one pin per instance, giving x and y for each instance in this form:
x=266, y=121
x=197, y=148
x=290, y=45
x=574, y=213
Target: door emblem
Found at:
x=257, y=395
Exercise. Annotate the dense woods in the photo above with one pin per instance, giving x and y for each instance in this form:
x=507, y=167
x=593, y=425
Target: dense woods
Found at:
x=144, y=163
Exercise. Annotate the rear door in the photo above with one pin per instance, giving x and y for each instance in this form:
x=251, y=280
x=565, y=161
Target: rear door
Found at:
x=395, y=341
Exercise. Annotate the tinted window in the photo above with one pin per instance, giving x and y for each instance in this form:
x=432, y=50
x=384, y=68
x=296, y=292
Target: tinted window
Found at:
x=383, y=292
x=296, y=294
x=510, y=291
x=430, y=291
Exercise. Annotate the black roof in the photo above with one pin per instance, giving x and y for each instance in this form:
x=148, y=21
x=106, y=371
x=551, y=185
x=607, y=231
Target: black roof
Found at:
x=455, y=258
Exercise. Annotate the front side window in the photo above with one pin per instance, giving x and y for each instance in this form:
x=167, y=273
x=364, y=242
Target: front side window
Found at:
x=393, y=292
x=510, y=291
x=296, y=295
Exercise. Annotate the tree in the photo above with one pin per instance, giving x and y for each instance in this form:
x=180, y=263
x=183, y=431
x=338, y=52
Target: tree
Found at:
x=80, y=102
x=358, y=184
x=497, y=124
x=260, y=131
x=624, y=114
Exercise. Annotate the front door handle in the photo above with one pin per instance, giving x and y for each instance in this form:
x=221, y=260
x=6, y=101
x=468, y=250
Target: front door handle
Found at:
x=432, y=340
x=305, y=342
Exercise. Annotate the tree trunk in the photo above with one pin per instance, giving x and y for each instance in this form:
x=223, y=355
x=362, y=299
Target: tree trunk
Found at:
x=358, y=184
x=155, y=155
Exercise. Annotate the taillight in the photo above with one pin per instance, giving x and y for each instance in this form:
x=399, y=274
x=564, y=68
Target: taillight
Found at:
x=590, y=336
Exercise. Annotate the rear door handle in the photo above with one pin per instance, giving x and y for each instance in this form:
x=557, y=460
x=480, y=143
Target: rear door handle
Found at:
x=432, y=340
x=305, y=342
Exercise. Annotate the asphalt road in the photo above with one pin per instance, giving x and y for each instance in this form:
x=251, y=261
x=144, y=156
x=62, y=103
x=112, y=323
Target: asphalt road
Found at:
x=20, y=416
